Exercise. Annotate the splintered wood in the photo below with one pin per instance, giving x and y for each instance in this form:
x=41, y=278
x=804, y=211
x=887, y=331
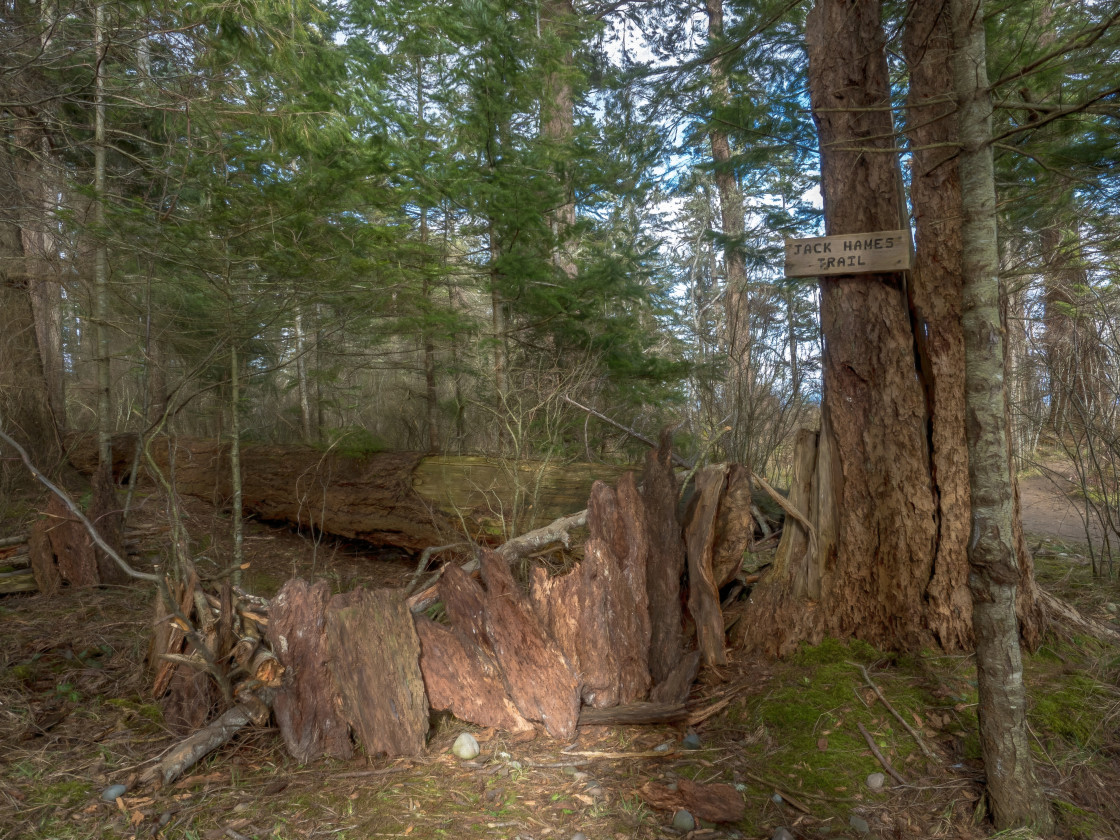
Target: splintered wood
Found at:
x=374, y=658
x=307, y=703
x=703, y=592
x=539, y=679
x=464, y=679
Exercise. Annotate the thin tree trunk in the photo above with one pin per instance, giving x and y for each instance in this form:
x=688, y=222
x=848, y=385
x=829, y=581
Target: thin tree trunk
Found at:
x=1015, y=794
x=236, y=521
x=558, y=124
x=101, y=257
x=301, y=379
x=736, y=299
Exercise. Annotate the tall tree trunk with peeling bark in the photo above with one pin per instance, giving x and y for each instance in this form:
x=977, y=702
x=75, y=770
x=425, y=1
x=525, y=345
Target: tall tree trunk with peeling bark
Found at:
x=736, y=300
x=1016, y=796
x=883, y=482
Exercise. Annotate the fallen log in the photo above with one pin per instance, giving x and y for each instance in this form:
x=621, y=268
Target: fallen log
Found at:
x=403, y=499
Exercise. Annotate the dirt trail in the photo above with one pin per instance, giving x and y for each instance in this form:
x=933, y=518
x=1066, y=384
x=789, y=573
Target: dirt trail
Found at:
x=1050, y=508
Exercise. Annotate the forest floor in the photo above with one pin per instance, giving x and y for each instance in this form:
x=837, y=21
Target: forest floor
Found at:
x=76, y=717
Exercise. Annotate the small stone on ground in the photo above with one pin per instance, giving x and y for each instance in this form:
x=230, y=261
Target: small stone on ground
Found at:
x=876, y=781
x=465, y=747
x=684, y=821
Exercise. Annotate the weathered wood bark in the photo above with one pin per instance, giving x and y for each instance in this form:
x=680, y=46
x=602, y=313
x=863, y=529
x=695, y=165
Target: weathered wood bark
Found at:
x=617, y=519
x=44, y=566
x=1015, y=794
x=390, y=498
x=935, y=301
x=61, y=550
x=665, y=561
x=307, y=704
x=700, y=535
x=537, y=676
x=375, y=661
x=463, y=678
x=678, y=682
x=464, y=601
x=734, y=526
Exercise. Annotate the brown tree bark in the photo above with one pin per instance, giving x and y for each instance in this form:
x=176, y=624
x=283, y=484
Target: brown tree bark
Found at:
x=736, y=300
x=374, y=656
x=307, y=703
x=875, y=520
x=884, y=484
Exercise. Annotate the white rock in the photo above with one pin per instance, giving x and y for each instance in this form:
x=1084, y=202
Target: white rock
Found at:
x=876, y=781
x=465, y=747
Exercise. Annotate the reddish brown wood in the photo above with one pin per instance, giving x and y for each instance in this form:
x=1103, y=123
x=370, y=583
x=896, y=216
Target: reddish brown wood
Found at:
x=463, y=597
x=67, y=548
x=463, y=678
x=44, y=567
x=307, y=705
x=714, y=802
x=374, y=657
x=734, y=528
x=537, y=676
x=703, y=594
x=665, y=560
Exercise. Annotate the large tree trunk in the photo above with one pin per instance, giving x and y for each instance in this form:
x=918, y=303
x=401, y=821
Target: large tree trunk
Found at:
x=883, y=485
x=874, y=522
x=1016, y=796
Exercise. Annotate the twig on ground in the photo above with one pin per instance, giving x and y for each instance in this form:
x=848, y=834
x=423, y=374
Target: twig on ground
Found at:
x=926, y=751
x=882, y=759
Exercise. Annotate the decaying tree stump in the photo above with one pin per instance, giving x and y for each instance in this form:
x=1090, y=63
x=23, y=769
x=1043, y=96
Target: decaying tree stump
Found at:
x=375, y=660
x=664, y=562
x=598, y=613
x=308, y=704
x=734, y=526
x=463, y=678
x=700, y=535
x=463, y=599
x=537, y=676
x=61, y=550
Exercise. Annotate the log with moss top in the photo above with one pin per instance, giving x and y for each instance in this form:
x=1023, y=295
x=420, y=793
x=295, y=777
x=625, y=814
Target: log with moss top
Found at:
x=402, y=499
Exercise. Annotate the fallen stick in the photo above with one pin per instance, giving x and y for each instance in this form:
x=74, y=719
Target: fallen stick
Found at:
x=882, y=760
x=1060, y=612
x=18, y=539
x=882, y=699
x=558, y=531
x=188, y=752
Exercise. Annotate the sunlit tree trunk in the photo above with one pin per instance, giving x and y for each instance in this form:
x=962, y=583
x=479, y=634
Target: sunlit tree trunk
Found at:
x=557, y=124
x=1015, y=794
x=736, y=299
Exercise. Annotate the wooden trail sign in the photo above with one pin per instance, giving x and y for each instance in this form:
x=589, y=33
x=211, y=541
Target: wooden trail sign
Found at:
x=852, y=253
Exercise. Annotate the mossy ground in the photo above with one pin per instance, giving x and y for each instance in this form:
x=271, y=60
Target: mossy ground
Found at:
x=75, y=718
